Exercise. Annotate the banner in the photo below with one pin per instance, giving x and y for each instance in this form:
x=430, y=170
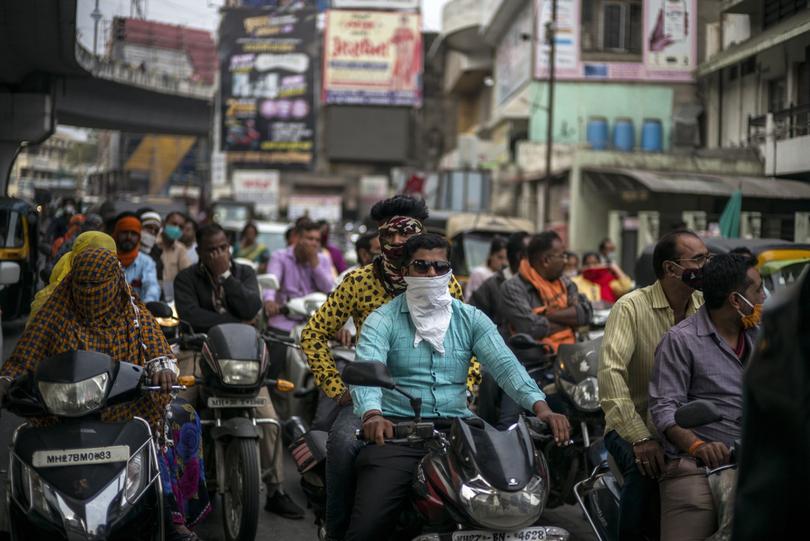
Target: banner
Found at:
x=372, y=58
x=667, y=35
x=376, y=4
x=267, y=87
x=260, y=187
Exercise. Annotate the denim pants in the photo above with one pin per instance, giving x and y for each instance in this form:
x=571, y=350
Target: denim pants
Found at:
x=640, y=506
x=342, y=447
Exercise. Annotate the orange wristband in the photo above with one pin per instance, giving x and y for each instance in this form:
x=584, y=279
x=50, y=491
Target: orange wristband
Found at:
x=695, y=446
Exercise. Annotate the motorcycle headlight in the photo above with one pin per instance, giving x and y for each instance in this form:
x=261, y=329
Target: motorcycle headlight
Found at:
x=239, y=372
x=584, y=394
x=500, y=510
x=74, y=399
x=137, y=472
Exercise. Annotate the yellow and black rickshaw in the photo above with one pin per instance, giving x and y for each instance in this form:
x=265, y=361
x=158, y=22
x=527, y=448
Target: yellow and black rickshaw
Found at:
x=19, y=257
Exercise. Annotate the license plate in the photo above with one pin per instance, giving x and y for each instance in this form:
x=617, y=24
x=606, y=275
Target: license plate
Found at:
x=80, y=457
x=217, y=402
x=528, y=534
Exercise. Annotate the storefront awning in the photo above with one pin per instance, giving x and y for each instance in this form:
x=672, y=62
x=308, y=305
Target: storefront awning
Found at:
x=623, y=180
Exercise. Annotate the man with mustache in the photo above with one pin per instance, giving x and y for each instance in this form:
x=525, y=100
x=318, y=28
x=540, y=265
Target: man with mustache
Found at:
x=360, y=293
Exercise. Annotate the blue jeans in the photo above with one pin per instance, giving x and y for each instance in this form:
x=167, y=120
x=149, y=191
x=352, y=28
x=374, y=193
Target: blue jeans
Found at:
x=342, y=447
x=640, y=505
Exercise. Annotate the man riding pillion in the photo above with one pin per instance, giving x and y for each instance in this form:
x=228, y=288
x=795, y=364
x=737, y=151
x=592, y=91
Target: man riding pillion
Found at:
x=702, y=358
x=426, y=338
x=360, y=293
x=214, y=291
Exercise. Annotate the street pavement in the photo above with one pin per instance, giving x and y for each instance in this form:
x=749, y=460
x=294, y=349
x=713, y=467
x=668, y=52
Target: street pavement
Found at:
x=272, y=526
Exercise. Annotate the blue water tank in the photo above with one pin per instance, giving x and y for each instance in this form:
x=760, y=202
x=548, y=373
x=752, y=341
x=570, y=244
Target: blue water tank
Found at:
x=652, y=135
x=624, y=135
x=597, y=132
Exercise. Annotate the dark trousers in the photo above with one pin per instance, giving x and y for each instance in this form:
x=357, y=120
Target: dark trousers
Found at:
x=342, y=447
x=640, y=506
x=385, y=475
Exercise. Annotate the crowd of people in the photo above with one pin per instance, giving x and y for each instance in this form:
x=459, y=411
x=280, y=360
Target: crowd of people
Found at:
x=685, y=337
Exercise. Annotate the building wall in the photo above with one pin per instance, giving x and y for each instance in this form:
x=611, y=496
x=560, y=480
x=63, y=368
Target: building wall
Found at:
x=575, y=102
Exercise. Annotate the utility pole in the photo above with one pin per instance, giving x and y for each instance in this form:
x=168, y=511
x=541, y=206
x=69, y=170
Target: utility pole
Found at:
x=551, y=35
x=96, y=16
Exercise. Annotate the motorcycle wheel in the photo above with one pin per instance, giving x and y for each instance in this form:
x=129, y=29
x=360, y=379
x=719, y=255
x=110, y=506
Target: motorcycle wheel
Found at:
x=240, y=497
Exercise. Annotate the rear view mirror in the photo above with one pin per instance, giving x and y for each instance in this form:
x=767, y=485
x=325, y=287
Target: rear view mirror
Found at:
x=368, y=374
x=159, y=309
x=697, y=413
x=9, y=272
x=523, y=341
x=268, y=281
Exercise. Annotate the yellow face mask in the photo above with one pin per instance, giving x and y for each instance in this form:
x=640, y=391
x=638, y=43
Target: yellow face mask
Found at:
x=749, y=321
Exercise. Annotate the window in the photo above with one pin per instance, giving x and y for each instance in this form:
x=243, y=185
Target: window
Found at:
x=612, y=26
x=777, y=90
x=775, y=11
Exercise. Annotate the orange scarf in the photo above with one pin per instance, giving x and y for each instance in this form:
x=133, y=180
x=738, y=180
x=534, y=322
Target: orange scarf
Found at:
x=555, y=297
x=128, y=223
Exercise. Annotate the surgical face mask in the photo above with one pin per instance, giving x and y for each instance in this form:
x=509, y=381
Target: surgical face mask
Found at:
x=749, y=321
x=147, y=240
x=173, y=232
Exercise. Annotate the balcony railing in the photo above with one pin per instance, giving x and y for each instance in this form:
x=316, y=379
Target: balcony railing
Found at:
x=787, y=124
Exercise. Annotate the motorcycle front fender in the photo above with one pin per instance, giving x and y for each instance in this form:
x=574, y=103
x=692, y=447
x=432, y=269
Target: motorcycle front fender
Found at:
x=235, y=427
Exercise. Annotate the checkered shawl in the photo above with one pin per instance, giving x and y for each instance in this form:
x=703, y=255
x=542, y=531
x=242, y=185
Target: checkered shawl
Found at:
x=91, y=310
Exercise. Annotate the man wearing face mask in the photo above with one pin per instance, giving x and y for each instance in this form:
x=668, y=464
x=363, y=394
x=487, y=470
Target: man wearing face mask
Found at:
x=636, y=324
x=702, y=358
x=360, y=293
x=139, y=268
x=172, y=254
x=426, y=338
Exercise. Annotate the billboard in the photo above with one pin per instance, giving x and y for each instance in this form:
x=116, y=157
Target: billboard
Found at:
x=267, y=87
x=260, y=187
x=375, y=4
x=668, y=44
x=372, y=58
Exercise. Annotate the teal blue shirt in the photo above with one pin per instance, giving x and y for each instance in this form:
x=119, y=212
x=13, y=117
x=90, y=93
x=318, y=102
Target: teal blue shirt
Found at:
x=387, y=337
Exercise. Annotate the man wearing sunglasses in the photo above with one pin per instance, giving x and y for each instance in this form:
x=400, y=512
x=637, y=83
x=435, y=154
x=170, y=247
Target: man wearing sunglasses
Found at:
x=360, y=293
x=637, y=323
x=426, y=338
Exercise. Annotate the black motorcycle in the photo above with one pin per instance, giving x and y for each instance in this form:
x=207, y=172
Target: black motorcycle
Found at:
x=81, y=478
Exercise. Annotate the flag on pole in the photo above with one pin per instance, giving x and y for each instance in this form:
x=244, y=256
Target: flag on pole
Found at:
x=730, y=219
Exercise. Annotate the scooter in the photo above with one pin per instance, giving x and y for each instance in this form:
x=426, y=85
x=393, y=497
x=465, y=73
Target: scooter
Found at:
x=475, y=482
x=233, y=362
x=82, y=479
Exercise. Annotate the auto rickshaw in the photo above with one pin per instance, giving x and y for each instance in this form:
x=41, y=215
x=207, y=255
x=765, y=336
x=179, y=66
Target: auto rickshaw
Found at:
x=470, y=236
x=779, y=261
x=19, y=239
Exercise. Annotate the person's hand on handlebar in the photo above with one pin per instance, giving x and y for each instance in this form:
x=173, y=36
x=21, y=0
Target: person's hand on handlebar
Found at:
x=559, y=425
x=376, y=428
x=165, y=379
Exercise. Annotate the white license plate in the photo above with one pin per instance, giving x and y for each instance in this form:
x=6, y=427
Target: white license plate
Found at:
x=528, y=534
x=80, y=457
x=217, y=402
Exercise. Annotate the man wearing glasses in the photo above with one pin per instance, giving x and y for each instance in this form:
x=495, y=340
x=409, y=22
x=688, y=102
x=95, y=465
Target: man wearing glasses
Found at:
x=637, y=323
x=426, y=338
x=539, y=302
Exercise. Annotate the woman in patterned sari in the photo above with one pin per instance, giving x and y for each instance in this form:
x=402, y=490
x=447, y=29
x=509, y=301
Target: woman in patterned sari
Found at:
x=93, y=309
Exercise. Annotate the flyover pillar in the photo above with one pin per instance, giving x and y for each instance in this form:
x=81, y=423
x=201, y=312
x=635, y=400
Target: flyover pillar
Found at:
x=24, y=118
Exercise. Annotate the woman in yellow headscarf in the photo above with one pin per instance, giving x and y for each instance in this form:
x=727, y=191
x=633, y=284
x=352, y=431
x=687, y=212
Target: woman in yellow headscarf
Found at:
x=86, y=241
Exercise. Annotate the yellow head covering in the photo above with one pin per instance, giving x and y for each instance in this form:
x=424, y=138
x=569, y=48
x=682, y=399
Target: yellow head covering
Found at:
x=86, y=241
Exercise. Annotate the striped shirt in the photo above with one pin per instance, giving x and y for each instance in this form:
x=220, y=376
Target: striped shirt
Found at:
x=637, y=323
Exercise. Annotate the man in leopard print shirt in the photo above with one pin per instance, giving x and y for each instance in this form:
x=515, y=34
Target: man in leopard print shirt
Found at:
x=361, y=292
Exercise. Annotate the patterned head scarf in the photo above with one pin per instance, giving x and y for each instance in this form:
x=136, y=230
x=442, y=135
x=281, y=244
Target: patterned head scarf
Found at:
x=92, y=310
x=389, y=264
x=132, y=224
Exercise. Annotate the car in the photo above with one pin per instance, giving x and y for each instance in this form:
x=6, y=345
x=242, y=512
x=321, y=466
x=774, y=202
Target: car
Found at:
x=780, y=261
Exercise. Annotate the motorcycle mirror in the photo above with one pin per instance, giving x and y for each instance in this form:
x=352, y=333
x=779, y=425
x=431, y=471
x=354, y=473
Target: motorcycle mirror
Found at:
x=368, y=374
x=268, y=281
x=159, y=309
x=523, y=341
x=697, y=413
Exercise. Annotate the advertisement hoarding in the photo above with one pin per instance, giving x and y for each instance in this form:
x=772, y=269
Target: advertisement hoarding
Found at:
x=315, y=207
x=375, y=4
x=259, y=186
x=267, y=87
x=372, y=58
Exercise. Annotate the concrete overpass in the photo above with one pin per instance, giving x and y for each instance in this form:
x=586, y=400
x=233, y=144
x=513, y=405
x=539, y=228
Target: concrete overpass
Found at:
x=46, y=77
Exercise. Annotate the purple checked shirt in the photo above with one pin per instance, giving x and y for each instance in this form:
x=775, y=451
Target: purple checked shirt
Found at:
x=296, y=280
x=693, y=362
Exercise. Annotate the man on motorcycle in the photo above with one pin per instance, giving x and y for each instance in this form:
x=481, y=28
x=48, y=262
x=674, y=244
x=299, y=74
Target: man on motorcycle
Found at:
x=360, y=293
x=139, y=268
x=636, y=324
x=301, y=269
x=426, y=338
x=487, y=297
x=702, y=358
x=214, y=291
x=540, y=302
